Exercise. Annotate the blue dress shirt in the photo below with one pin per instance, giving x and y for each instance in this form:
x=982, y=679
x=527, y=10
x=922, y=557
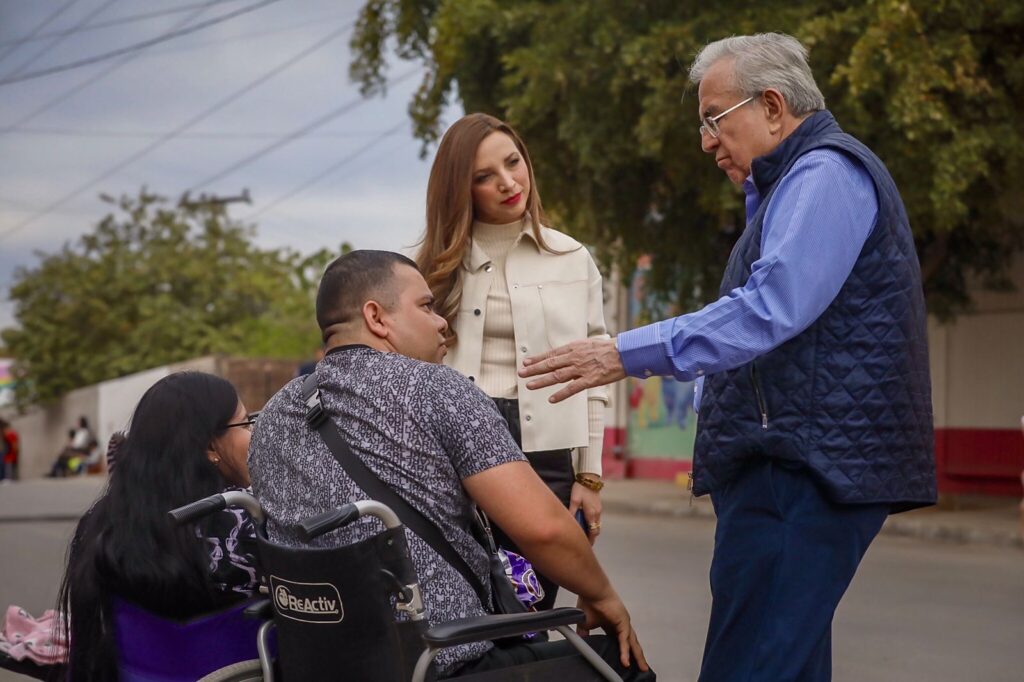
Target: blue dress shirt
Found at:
x=814, y=229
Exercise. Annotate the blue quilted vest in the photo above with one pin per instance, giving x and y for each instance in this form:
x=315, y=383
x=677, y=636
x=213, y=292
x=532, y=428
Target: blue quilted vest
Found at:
x=849, y=398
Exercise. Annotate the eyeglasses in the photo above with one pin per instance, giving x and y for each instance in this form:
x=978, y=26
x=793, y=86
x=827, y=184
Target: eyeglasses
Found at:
x=709, y=124
x=249, y=421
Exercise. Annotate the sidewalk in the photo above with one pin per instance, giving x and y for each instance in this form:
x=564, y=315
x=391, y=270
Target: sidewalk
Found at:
x=973, y=520
x=965, y=520
x=48, y=499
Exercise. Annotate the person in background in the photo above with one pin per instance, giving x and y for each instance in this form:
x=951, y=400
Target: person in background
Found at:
x=308, y=366
x=83, y=440
x=508, y=285
x=189, y=438
x=9, y=450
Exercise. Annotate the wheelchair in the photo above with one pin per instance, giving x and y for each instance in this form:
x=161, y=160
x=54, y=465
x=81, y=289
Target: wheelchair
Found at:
x=355, y=612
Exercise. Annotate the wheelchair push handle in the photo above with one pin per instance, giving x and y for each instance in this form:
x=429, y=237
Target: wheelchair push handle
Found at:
x=215, y=503
x=324, y=523
x=198, y=509
x=320, y=524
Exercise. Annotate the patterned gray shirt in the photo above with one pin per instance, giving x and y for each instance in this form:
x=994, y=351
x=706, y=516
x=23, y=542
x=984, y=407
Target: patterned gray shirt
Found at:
x=421, y=428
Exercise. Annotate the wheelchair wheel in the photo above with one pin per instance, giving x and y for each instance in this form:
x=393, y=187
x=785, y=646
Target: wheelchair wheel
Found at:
x=244, y=671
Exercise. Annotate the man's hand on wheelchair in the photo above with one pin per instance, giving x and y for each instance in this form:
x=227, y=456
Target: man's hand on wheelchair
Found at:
x=610, y=614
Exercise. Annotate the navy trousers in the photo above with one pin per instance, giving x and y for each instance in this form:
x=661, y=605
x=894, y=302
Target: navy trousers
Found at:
x=784, y=556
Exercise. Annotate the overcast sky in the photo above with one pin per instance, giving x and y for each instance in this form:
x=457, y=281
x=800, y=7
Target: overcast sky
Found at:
x=67, y=137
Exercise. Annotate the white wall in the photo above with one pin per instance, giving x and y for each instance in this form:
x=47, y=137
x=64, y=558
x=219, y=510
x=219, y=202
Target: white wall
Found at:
x=108, y=406
x=977, y=362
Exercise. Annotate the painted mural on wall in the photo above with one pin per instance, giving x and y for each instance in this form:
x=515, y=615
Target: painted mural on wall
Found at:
x=6, y=382
x=662, y=423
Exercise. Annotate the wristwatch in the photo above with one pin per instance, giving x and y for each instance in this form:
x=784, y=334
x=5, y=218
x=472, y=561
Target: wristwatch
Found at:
x=588, y=482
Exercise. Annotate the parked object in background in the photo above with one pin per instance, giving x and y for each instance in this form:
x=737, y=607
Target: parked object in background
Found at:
x=68, y=461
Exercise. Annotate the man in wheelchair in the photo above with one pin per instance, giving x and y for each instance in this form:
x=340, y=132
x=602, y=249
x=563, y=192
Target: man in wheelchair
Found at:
x=435, y=439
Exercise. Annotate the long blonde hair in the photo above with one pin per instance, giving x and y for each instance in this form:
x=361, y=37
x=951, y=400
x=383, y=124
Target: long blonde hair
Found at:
x=450, y=209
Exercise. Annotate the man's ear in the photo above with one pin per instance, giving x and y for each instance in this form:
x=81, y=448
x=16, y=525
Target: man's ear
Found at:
x=373, y=315
x=775, y=107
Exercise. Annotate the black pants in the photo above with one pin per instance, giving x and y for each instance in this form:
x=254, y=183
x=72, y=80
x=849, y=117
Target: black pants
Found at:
x=554, y=468
x=505, y=655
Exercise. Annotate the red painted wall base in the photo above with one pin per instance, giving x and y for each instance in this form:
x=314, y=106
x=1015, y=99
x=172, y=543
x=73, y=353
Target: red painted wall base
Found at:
x=968, y=461
x=979, y=461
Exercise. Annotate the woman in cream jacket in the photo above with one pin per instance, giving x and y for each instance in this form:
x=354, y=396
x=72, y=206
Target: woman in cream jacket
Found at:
x=511, y=287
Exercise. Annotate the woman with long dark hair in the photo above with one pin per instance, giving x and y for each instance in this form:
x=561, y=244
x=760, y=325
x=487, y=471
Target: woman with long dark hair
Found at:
x=188, y=439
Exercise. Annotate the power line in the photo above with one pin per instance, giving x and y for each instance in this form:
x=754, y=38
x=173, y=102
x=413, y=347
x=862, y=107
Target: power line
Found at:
x=327, y=171
x=220, y=41
x=206, y=113
x=103, y=73
x=136, y=47
x=171, y=50
x=300, y=132
x=198, y=135
x=56, y=41
x=46, y=22
x=108, y=23
x=304, y=226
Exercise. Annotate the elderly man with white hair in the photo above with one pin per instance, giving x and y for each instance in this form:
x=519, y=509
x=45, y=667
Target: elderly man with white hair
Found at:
x=815, y=418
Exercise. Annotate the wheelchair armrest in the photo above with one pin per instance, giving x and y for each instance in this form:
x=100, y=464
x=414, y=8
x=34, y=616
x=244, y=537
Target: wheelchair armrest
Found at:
x=259, y=610
x=495, y=627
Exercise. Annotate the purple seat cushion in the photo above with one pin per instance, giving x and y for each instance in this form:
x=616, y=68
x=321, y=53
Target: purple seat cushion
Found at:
x=155, y=649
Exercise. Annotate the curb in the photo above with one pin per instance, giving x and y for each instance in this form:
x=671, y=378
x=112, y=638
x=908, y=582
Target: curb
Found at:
x=961, y=535
x=659, y=508
x=894, y=525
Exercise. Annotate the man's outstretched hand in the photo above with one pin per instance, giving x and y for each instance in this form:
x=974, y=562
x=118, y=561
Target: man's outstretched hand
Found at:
x=584, y=364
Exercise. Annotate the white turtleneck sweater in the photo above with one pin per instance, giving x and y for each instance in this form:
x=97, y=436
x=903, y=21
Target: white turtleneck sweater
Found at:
x=498, y=353
x=498, y=360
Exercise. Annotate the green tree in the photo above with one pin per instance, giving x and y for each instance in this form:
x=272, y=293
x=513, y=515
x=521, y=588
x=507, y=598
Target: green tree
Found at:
x=933, y=87
x=157, y=283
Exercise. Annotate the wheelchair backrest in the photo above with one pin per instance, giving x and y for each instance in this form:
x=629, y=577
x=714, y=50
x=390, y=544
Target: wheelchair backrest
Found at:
x=334, y=609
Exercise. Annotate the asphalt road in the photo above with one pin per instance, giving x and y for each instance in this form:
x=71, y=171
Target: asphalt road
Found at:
x=917, y=610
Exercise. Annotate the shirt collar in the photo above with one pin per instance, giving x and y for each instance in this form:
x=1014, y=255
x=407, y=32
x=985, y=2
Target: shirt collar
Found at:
x=753, y=199
x=766, y=170
x=475, y=257
x=346, y=347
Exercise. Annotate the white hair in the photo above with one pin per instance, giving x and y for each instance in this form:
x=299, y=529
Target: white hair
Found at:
x=762, y=61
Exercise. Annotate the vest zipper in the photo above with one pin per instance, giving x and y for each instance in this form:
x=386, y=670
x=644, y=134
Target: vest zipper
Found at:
x=760, y=399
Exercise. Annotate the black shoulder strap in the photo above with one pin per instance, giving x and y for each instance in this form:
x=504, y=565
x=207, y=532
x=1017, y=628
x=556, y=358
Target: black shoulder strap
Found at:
x=317, y=418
